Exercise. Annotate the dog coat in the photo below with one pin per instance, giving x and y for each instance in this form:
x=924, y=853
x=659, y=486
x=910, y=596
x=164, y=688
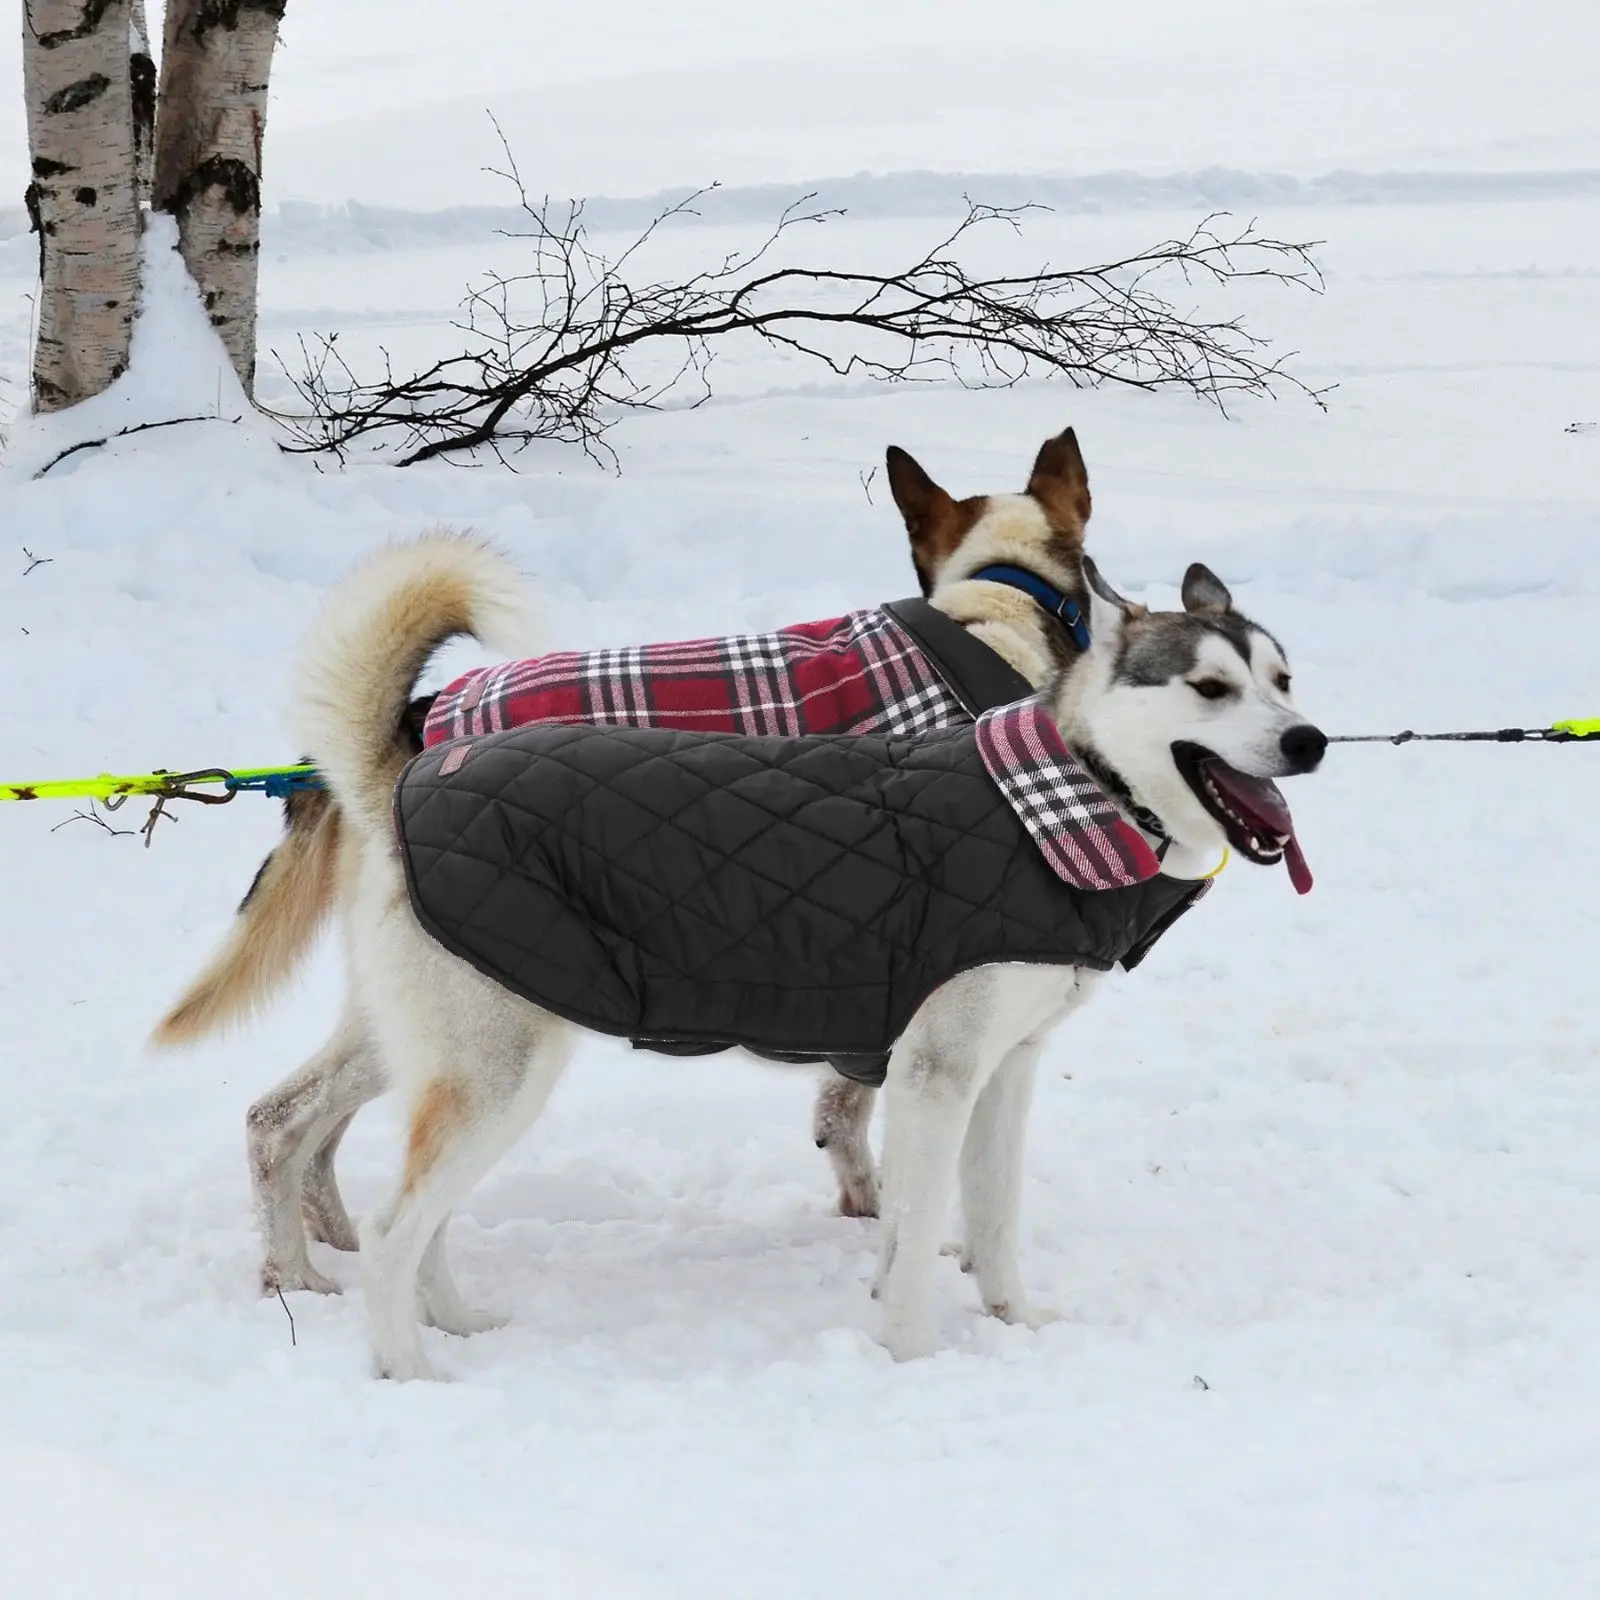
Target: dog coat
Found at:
x=903, y=668
x=797, y=896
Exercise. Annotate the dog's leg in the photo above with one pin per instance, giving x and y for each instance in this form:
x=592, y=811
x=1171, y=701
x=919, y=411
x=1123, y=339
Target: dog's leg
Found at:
x=927, y=1104
x=938, y=1069
x=460, y=1126
x=282, y=1130
x=941, y=1070
x=991, y=1187
x=439, y=1302
x=843, y=1115
x=359, y=1080
x=321, y=1204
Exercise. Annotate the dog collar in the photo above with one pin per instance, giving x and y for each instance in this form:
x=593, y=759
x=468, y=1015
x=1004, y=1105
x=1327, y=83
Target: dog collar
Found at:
x=1059, y=605
x=1116, y=786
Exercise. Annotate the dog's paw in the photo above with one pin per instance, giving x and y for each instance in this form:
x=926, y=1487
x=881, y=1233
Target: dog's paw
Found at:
x=858, y=1196
x=908, y=1341
x=331, y=1227
x=461, y=1320
x=286, y=1280
x=1017, y=1313
x=408, y=1366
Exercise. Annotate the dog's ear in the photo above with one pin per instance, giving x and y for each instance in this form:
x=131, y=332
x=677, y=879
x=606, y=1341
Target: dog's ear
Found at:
x=1103, y=591
x=1106, y=610
x=933, y=520
x=1204, y=593
x=1060, y=481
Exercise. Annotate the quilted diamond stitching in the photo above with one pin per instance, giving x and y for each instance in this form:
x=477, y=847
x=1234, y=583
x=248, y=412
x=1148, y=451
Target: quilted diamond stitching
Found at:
x=658, y=815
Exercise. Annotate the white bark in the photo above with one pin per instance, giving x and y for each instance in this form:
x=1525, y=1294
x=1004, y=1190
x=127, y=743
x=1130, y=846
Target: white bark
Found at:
x=82, y=199
x=215, y=60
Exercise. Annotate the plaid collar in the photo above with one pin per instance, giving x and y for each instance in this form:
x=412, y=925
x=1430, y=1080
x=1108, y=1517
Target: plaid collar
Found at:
x=1078, y=827
x=1116, y=786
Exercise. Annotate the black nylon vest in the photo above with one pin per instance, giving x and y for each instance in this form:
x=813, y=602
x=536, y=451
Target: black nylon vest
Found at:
x=692, y=892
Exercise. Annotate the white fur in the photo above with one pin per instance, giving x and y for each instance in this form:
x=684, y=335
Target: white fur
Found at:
x=1134, y=727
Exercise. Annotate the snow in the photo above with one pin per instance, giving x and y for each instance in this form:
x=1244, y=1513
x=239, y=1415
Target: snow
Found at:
x=1318, y=1187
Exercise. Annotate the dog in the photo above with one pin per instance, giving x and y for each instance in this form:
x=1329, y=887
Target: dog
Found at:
x=1185, y=717
x=293, y=1132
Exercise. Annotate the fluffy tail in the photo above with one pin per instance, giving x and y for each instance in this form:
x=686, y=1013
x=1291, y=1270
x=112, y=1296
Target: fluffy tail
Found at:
x=370, y=643
x=366, y=650
x=278, y=919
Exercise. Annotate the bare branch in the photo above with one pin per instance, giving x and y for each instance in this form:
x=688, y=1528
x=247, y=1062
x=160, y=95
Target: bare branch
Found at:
x=564, y=349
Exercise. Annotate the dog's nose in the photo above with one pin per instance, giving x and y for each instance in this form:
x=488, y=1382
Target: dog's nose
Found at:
x=1303, y=747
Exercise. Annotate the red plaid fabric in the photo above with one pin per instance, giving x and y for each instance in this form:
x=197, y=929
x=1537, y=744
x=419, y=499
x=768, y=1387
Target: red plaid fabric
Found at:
x=860, y=673
x=1077, y=826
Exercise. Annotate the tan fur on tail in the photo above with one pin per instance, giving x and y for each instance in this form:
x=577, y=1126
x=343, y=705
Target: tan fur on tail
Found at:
x=358, y=671
x=371, y=640
x=276, y=925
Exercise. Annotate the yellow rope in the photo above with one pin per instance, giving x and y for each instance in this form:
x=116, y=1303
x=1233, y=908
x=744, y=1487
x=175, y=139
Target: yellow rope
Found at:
x=110, y=786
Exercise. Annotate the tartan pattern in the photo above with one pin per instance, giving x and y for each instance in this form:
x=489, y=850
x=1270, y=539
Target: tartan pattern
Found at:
x=859, y=673
x=1077, y=826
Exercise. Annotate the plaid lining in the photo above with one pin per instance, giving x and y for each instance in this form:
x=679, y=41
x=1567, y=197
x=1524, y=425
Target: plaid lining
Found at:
x=1076, y=825
x=860, y=673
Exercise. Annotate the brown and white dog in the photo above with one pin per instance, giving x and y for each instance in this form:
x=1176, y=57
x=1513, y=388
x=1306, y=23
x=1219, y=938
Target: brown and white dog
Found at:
x=294, y=1131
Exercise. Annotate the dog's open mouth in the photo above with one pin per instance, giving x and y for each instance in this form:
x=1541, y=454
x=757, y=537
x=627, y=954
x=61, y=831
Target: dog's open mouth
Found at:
x=1252, y=811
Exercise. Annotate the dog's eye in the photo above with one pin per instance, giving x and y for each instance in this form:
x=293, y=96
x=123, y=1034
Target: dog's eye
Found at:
x=1283, y=683
x=1211, y=688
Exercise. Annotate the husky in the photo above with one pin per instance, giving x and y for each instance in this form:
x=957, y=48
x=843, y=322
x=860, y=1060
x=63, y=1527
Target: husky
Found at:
x=293, y=1132
x=1184, y=716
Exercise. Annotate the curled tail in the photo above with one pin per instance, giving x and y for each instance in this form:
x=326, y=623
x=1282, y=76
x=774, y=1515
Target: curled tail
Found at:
x=369, y=645
x=354, y=709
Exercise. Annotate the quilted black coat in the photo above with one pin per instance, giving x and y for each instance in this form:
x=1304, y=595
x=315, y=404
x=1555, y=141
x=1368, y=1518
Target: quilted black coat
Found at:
x=690, y=892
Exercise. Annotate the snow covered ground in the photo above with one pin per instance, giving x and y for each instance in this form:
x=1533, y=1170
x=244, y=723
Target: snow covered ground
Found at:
x=1318, y=1188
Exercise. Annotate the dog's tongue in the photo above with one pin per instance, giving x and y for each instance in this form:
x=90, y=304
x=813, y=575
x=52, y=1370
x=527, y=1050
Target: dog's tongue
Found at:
x=1260, y=802
x=1294, y=858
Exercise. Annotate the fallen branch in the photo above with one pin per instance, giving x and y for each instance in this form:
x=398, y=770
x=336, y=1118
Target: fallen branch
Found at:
x=122, y=433
x=557, y=352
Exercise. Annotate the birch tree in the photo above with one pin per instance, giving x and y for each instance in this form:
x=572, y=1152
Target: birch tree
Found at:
x=83, y=200
x=107, y=140
x=212, y=116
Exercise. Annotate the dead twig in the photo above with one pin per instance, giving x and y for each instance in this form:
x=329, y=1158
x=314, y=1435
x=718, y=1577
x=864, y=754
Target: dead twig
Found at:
x=293, y=1341
x=562, y=350
x=122, y=433
x=93, y=815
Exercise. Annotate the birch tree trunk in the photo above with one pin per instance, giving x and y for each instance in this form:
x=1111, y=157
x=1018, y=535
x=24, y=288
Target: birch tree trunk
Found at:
x=215, y=60
x=142, y=84
x=82, y=200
